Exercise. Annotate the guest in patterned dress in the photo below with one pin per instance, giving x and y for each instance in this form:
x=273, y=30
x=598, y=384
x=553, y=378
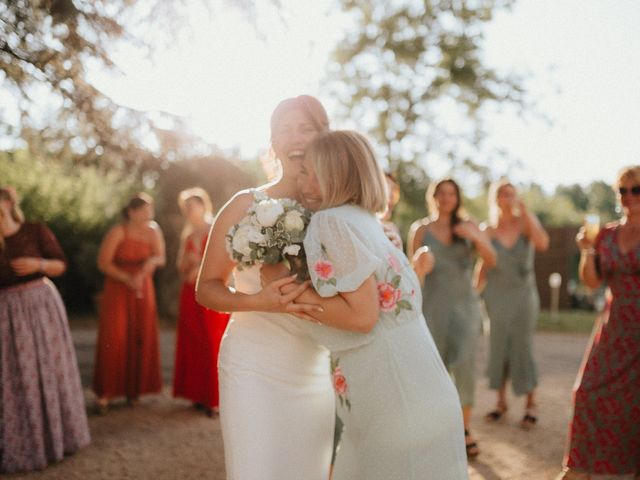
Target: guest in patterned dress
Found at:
x=199, y=329
x=127, y=354
x=604, y=433
x=393, y=197
x=398, y=404
x=511, y=297
x=42, y=413
x=444, y=248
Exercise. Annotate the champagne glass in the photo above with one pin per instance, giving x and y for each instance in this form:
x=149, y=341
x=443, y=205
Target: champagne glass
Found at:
x=591, y=226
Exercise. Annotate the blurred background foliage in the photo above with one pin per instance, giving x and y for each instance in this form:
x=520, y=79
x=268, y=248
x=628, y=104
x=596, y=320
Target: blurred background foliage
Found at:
x=77, y=158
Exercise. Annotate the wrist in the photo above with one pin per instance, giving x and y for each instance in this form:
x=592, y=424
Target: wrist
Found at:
x=588, y=252
x=41, y=265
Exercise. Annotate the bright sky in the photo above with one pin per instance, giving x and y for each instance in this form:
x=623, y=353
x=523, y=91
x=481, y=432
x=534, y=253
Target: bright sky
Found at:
x=582, y=56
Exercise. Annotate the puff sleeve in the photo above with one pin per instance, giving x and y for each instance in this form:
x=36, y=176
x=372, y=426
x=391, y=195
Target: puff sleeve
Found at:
x=338, y=256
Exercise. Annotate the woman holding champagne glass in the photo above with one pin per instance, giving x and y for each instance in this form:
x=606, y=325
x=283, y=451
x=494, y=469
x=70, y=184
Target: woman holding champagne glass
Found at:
x=604, y=430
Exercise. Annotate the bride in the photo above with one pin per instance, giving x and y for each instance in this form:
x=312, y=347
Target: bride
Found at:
x=277, y=407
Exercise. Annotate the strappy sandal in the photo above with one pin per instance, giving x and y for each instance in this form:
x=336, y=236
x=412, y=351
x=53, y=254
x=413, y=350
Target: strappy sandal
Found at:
x=471, y=447
x=529, y=420
x=497, y=414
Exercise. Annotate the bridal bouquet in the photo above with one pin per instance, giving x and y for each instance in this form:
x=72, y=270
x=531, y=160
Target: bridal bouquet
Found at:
x=271, y=232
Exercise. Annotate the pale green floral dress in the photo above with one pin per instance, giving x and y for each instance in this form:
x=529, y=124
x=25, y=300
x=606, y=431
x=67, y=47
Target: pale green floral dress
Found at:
x=400, y=410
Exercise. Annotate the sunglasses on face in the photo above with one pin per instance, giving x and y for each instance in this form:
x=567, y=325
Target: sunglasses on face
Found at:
x=635, y=190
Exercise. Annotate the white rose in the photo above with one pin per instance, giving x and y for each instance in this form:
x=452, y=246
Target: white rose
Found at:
x=245, y=234
x=291, y=250
x=254, y=235
x=293, y=221
x=268, y=211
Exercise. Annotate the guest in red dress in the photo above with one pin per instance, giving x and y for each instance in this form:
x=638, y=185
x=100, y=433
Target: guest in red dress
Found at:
x=200, y=330
x=127, y=355
x=42, y=414
x=604, y=434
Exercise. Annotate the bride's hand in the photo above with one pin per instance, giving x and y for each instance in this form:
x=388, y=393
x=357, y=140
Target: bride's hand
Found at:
x=274, y=300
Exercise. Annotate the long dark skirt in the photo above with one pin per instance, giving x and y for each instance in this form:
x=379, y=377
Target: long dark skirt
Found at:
x=42, y=412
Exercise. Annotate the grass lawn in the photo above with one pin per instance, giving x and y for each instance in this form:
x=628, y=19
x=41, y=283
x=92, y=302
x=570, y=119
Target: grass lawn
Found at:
x=574, y=321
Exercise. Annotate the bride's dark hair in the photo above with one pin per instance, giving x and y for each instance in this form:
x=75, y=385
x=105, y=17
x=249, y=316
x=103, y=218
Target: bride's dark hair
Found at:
x=308, y=105
x=458, y=213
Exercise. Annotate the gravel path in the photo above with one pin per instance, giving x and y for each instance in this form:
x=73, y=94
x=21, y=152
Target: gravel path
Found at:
x=164, y=439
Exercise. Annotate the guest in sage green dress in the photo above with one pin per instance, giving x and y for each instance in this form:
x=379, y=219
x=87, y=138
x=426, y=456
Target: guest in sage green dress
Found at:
x=393, y=393
x=450, y=303
x=511, y=298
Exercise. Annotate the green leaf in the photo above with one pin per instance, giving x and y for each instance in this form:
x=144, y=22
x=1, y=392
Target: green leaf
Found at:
x=405, y=305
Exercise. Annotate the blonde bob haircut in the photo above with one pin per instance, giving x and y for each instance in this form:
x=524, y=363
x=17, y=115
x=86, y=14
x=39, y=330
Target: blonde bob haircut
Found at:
x=630, y=174
x=348, y=171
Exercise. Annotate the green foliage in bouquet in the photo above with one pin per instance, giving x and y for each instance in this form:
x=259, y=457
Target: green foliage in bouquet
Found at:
x=271, y=232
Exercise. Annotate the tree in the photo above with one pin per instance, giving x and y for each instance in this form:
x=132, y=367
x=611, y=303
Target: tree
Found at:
x=409, y=65
x=598, y=197
x=47, y=48
x=576, y=194
x=602, y=200
x=413, y=75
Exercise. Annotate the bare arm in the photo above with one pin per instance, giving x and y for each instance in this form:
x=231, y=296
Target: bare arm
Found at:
x=158, y=257
x=534, y=230
x=51, y=267
x=51, y=261
x=107, y=252
x=416, y=234
x=587, y=268
x=470, y=230
x=355, y=311
x=480, y=276
x=480, y=273
x=423, y=262
x=216, y=268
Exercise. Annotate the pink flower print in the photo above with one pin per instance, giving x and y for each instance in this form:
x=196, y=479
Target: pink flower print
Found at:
x=388, y=296
x=323, y=269
x=339, y=382
x=394, y=263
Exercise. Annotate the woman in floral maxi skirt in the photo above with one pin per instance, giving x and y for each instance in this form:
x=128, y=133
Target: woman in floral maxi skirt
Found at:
x=42, y=412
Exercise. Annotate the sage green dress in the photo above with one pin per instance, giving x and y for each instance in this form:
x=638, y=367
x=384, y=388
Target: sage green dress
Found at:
x=512, y=302
x=453, y=311
x=398, y=405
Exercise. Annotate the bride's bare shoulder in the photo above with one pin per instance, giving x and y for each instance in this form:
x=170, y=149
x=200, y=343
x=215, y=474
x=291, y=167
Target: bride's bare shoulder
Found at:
x=236, y=207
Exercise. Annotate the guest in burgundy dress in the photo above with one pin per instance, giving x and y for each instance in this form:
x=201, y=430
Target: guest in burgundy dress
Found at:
x=604, y=434
x=200, y=329
x=42, y=413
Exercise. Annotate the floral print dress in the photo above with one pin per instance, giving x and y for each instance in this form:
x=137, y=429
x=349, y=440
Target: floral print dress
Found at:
x=399, y=407
x=604, y=434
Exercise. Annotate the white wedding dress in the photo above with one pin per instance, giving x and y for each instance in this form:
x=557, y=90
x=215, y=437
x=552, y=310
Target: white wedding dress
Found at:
x=277, y=406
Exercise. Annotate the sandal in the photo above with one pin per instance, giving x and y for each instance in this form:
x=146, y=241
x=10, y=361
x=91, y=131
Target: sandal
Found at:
x=471, y=447
x=101, y=407
x=529, y=420
x=497, y=414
